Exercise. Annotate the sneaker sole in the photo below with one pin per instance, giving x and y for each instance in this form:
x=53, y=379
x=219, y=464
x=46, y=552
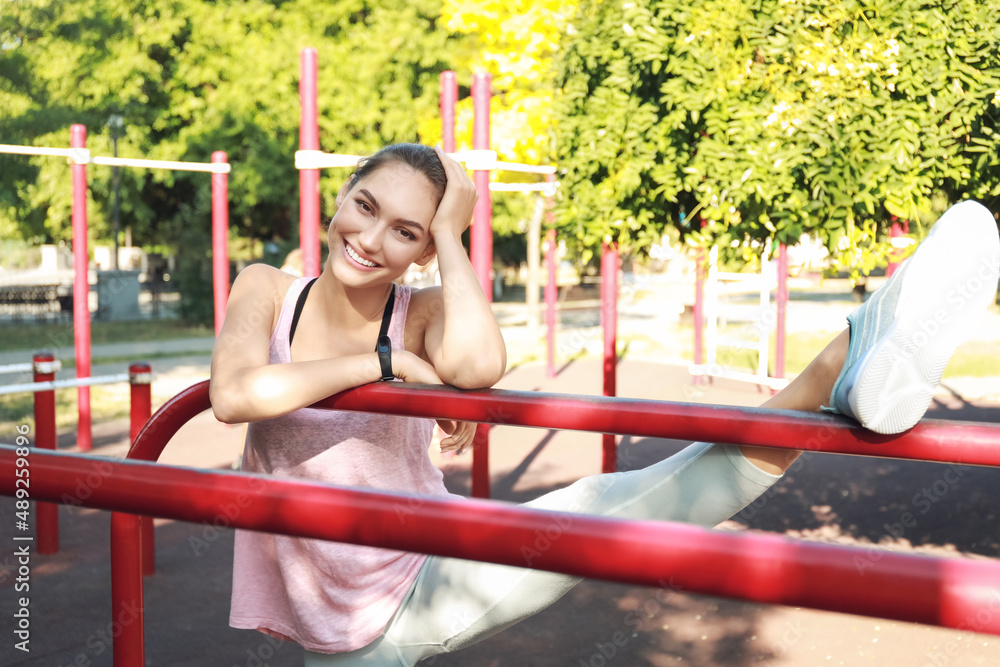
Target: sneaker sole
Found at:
x=897, y=378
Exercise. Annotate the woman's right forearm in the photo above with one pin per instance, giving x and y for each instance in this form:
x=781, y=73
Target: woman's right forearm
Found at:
x=264, y=392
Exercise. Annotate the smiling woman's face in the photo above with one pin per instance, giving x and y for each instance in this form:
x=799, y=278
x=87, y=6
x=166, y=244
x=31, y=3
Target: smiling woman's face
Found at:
x=382, y=225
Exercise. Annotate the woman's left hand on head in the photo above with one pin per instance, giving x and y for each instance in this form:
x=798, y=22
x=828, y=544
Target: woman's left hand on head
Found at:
x=454, y=212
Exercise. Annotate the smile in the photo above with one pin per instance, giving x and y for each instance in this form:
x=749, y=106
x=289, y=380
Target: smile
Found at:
x=358, y=258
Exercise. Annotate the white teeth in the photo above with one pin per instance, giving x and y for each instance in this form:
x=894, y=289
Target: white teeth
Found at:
x=358, y=258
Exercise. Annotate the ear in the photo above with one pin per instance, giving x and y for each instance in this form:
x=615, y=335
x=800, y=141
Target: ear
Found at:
x=429, y=253
x=344, y=189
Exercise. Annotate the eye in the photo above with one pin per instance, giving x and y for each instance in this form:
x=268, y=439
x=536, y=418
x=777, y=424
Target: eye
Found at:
x=406, y=234
x=364, y=206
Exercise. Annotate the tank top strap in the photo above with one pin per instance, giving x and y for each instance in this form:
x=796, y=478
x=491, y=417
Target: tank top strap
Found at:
x=397, y=325
x=280, y=343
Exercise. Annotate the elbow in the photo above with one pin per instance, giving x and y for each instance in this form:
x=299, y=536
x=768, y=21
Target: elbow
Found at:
x=227, y=416
x=224, y=407
x=480, y=374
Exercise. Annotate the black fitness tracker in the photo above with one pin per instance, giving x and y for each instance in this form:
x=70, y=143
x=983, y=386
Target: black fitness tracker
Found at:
x=384, y=349
x=384, y=345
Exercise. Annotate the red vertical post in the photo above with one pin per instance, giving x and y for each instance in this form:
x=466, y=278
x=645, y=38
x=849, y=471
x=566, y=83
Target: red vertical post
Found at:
x=481, y=238
x=47, y=514
x=81, y=288
x=449, y=97
x=895, y=231
x=140, y=375
x=309, y=178
x=481, y=251
x=609, y=322
x=220, y=240
x=551, y=265
x=782, y=307
x=129, y=647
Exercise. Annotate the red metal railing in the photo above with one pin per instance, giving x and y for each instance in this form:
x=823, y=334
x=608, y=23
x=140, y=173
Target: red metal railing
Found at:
x=960, y=593
x=44, y=367
x=46, y=514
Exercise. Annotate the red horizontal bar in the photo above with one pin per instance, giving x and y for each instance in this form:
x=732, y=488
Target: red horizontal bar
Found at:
x=972, y=443
x=953, y=592
x=932, y=440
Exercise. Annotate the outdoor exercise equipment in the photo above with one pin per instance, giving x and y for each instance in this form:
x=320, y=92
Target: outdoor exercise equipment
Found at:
x=950, y=592
x=79, y=156
x=758, y=330
x=309, y=159
x=43, y=366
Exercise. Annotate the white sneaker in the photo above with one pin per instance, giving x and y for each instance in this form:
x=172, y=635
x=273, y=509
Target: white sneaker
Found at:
x=904, y=334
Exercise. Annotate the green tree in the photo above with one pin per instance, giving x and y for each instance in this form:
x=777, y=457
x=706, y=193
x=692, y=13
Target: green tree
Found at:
x=770, y=118
x=191, y=77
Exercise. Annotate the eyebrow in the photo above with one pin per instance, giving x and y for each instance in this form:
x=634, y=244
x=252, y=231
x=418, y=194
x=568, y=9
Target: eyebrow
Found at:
x=403, y=221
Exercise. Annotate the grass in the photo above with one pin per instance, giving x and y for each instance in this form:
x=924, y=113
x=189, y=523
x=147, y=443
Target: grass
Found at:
x=42, y=336
x=107, y=402
x=971, y=359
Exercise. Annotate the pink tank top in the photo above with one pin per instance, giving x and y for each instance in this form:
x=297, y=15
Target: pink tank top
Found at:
x=327, y=596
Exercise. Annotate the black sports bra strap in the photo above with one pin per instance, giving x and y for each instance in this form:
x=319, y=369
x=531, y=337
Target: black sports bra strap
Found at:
x=299, y=303
x=387, y=313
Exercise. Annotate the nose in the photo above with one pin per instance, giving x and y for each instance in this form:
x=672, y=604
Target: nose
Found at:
x=370, y=238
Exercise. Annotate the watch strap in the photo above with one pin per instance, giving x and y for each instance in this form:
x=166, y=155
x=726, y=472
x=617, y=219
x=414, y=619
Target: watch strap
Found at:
x=384, y=344
x=384, y=349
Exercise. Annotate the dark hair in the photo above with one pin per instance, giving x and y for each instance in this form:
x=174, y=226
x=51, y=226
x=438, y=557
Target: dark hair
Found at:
x=416, y=156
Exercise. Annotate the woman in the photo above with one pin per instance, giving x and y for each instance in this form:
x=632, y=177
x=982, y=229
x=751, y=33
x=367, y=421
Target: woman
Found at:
x=287, y=342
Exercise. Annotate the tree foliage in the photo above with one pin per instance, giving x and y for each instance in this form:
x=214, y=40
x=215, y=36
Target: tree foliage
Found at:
x=191, y=77
x=769, y=118
x=514, y=41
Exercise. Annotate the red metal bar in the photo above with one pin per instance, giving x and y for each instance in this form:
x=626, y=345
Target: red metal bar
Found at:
x=550, y=301
x=609, y=323
x=81, y=289
x=46, y=514
x=140, y=377
x=481, y=241
x=140, y=393
x=309, y=178
x=449, y=97
x=930, y=440
x=481, y=254
x=946, y=441
x=220, y=240
x=956, y=593
x=781, y=300
x=129, y=647
x=157, y=431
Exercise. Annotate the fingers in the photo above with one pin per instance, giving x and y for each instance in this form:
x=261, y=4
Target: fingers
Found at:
x=461, y=439
x=460, y=197
x=447, y=425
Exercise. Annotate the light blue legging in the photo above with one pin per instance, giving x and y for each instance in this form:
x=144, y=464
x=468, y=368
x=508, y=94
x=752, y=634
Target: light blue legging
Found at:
x=455, y=603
